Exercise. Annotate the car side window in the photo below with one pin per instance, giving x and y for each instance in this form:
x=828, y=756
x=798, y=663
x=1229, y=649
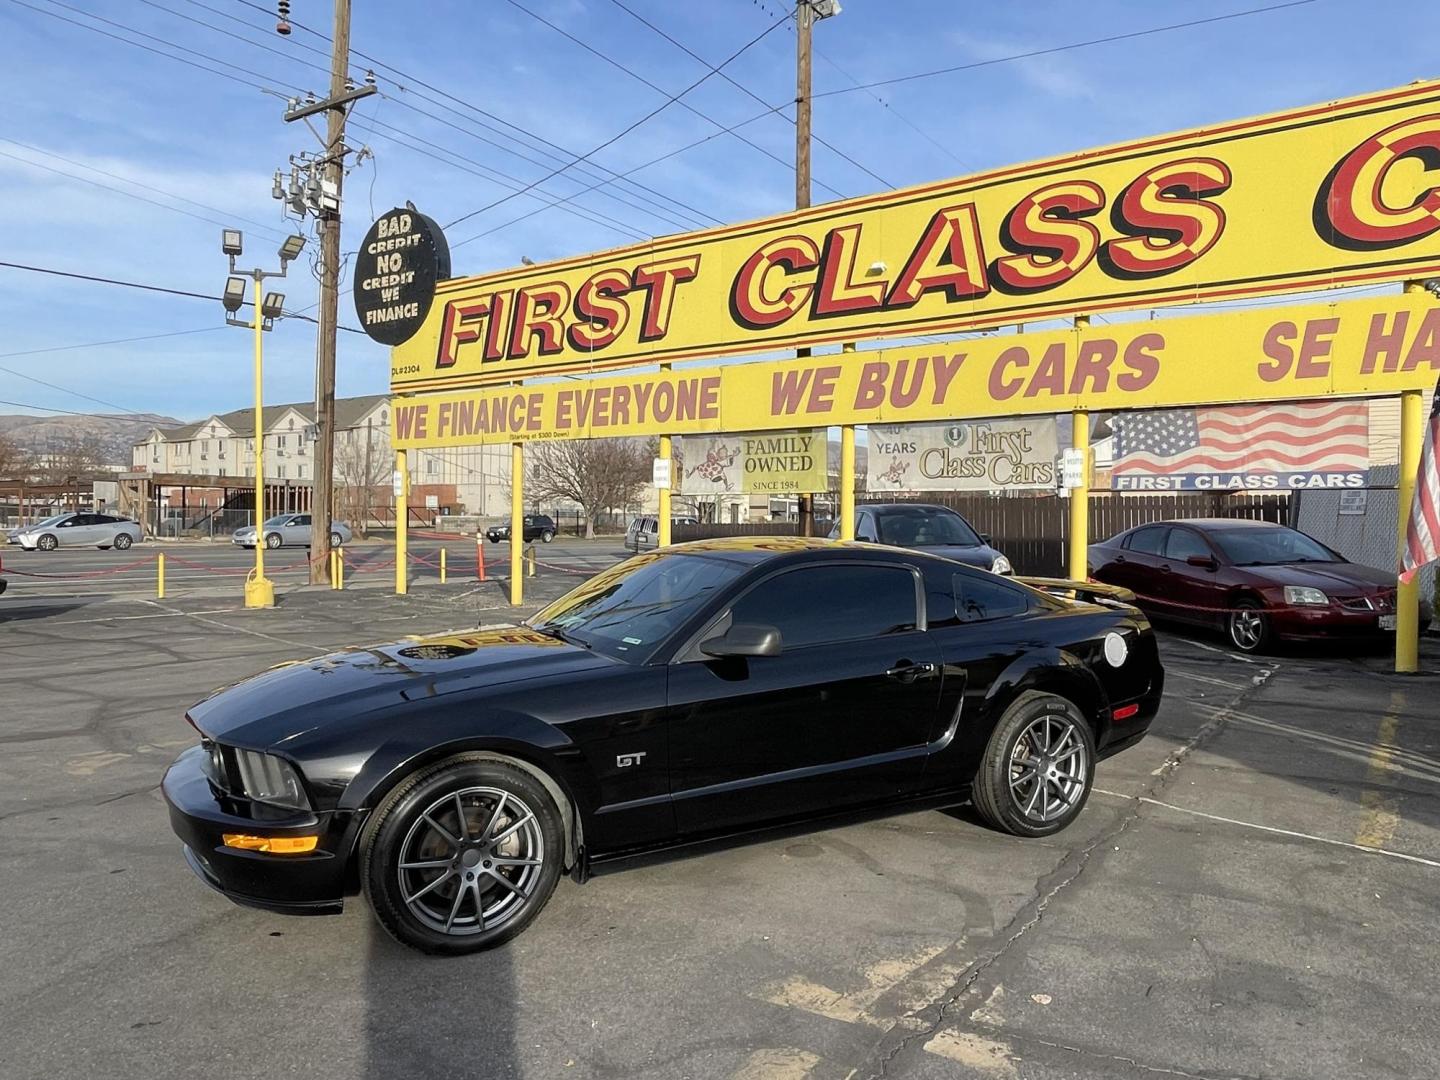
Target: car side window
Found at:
x=1149, y=540
x=1183, y=543
x=865, y=527
x=815, y=605
x=978, y=598
x=303, y=519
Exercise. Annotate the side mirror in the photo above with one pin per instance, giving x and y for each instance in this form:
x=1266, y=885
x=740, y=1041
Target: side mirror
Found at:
x=746, y=639
x=985, y=538
x=1203, y=561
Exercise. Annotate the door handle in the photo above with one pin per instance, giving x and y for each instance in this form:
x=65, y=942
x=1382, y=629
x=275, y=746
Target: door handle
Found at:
x=1164, y=569
x=906, y=672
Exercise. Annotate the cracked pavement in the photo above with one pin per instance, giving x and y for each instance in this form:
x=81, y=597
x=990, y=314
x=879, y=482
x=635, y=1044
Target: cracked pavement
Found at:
x=1219, y=910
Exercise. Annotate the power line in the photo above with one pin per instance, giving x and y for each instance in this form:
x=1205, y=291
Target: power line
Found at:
x=67, y=412
x=671, y=99
x=66, y=389
x=112, y=341
x=148, y=288
x=1128, y=36
x=746, y=90
x=563, y=152
x=659, y=89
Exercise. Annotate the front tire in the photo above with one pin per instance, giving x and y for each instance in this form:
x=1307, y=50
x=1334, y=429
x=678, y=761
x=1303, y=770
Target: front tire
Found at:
x=336, y=540
x=1038, y=767
x=47, y=543
x=1249, y=627
x=462, y=856
x=273, y=541
x=546, y=536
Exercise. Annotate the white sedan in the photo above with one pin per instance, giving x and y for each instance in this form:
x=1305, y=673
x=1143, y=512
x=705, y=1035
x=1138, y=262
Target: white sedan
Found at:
x=79, y=530
x=289, y=530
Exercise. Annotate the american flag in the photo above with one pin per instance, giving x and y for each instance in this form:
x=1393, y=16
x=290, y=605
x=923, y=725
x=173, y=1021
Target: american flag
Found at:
x=1307, y=437
x=1422, y=536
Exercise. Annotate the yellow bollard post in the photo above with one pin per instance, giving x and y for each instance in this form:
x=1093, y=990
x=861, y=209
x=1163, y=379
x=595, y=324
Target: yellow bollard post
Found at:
x=442, y=566
x=402, y=522
x=1407, y=594
x=160, y=576
x=517, y=523
x=1080, y=496
x=339, y=576
x=334, y=575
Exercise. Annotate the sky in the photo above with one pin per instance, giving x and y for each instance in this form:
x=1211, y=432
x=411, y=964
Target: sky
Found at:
x=134, y=129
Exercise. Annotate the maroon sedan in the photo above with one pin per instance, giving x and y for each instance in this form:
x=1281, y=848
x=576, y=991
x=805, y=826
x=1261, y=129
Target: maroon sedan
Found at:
x=1257, y=581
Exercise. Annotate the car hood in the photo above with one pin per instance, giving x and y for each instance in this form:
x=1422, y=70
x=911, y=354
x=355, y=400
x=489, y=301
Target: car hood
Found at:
x=981, y=555
x=1337, y=578
x=295, y=698
x=245, y=530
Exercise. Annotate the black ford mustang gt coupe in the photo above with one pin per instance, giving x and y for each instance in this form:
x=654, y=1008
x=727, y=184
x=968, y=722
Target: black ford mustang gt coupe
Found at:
x=698, y=692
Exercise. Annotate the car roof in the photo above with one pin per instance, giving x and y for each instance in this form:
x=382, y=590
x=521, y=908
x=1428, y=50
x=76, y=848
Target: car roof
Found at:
x=906, y=507
x=760, y=549
x=1221, y=523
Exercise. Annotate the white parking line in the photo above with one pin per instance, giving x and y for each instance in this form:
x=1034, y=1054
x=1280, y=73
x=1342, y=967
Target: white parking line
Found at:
x=1222, y=652
x=1270, y=828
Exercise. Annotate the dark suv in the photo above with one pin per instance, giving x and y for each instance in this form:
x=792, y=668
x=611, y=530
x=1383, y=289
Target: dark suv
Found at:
x=537, y=527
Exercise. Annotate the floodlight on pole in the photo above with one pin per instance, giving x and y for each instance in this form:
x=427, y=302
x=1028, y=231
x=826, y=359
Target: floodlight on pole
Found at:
x=825, y=8
x=291, y=248
x=234, y=295
x=273, y=306
x=231, y=242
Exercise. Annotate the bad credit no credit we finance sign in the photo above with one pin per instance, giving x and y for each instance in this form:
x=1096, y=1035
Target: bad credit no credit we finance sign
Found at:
x=1355, y=348
x=1337, y=194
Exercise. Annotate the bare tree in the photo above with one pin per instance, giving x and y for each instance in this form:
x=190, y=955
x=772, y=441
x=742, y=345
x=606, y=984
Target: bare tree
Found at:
x=14, y=461
x=363, y=462
x=69, y=456
x=598, y=474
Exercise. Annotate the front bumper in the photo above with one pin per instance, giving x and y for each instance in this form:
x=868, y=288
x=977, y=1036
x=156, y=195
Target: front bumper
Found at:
x=312, y=884
x=243, y=541
x=1333, y=621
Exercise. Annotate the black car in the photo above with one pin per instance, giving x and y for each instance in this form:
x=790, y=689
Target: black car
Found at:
x=699, y=692
x=935, y=529
x=537, y=527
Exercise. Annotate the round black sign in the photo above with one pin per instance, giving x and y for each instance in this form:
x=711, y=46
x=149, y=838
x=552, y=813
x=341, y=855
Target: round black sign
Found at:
x=404, y=254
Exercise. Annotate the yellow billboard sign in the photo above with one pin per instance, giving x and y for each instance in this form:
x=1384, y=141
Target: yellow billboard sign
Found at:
x=1354, y=348
x=1336, y=194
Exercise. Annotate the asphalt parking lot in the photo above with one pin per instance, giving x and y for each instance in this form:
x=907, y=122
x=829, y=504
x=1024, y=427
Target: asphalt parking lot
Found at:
x=1250, y=892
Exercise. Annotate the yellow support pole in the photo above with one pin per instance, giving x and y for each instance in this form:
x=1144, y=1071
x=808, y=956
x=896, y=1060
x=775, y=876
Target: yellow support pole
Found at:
x=160, y=576
x=517, y=524
x=442, y=566
x=1407, y=595
x=259, y=590
x=334, y=577
x=847, y=472
x=662, y=532
x=339, y=575
x=1080, y=496
x=402, y=524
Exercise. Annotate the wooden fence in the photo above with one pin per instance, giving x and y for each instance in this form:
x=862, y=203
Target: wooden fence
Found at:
x=1032, y=532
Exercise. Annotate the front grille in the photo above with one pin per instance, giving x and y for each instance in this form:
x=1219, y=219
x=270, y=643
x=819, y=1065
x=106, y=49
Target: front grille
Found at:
x=1381, y=602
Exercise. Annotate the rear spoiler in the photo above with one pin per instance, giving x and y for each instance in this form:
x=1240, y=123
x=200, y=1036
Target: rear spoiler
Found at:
x=1091, y=592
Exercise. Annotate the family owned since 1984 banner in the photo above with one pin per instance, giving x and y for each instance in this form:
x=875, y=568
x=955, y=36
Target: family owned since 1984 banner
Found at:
x=772, y=462
x=977, y=455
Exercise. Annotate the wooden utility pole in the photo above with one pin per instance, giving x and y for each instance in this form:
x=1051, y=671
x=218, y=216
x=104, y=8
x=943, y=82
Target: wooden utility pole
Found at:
x=804, y=20
x=323, y=504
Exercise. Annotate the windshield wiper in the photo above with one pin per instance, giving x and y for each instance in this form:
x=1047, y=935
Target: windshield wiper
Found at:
x=554, y=631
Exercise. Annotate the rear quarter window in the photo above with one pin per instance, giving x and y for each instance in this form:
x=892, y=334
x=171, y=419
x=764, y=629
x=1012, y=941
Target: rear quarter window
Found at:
x=980, y=598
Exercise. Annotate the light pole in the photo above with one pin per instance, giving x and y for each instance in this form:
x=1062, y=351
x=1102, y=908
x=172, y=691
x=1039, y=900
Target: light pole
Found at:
x=259, y=590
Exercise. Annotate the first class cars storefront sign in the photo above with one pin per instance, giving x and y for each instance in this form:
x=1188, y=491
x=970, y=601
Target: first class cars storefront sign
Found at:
x=965, y=456
x=1337, y=194
x=1367, y=347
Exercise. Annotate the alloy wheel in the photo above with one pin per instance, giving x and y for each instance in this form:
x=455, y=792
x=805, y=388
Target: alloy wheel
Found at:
x=1247, y=628
x=1048, y=768
x=471, y=861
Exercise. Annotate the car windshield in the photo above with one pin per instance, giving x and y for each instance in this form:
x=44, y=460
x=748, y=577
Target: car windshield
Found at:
x=1270, y=547
x=924, y=528
x=629, y=610
x=278, y=519
x=50, y=521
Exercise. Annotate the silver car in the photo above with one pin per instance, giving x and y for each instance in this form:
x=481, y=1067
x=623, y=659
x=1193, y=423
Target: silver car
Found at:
x=79, y=530
x=289, y=530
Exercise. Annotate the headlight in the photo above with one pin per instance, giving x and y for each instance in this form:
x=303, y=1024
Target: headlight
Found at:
x=1303, y=594
x=1001, y=565
x=267, y=778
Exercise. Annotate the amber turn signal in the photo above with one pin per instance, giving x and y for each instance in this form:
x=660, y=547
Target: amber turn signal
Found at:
x=275, y=845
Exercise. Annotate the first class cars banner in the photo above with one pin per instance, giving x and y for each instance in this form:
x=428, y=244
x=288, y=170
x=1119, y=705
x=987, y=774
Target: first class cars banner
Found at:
x=1336, y=194
x=968, y=455
x=1356, y=348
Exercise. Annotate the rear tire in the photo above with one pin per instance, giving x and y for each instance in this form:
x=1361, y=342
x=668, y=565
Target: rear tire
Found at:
x=273, y=541
x=336, y=540
x=123, y=542
x=1249, y=627
x=546, y=536
x=459, y=894
x=1038, y=767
